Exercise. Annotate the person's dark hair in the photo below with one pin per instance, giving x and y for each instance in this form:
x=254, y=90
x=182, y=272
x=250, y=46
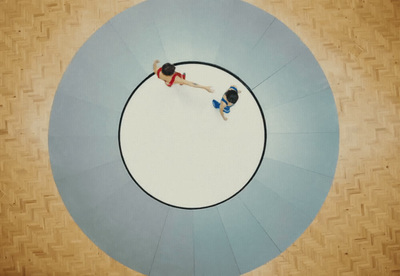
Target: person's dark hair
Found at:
x=168, y=69
x=232, y=96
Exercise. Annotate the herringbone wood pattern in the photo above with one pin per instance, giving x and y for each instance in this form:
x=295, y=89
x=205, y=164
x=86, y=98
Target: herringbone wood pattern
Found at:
x=357, y=231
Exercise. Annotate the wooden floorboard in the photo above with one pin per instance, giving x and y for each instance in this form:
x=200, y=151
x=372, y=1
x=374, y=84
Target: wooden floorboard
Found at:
x=357, y=43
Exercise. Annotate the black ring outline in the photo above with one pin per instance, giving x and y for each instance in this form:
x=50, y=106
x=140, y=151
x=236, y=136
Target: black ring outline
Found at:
x=255, y=171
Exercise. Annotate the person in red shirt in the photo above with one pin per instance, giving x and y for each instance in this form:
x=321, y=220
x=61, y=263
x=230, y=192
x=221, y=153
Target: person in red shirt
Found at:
x=169, y=76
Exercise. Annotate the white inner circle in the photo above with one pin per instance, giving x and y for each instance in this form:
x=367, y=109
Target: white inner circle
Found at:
x=178, y=148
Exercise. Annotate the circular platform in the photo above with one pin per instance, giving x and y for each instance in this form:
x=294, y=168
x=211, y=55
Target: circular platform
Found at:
x=156, y=237
x=180, y=151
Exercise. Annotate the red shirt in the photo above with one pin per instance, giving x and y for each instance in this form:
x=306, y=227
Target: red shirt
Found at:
x=173, y=77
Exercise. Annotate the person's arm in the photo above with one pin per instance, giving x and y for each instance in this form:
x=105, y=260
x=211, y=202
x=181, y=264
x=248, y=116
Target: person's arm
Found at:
x=155, y=67
x=221, y=110
x=239, y=91
x=195, y=85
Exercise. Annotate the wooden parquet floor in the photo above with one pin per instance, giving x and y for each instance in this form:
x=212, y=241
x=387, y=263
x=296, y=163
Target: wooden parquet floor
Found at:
x=357, y=231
